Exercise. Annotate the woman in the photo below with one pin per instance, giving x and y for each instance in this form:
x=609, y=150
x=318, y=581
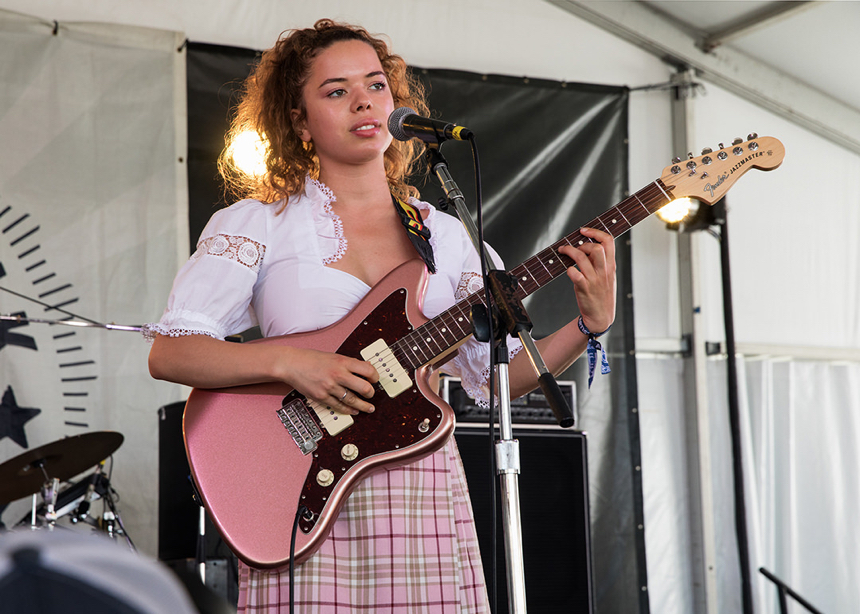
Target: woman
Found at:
x=322, y=227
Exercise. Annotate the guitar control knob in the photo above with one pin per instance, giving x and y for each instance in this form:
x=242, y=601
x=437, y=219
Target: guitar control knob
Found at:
x=325, y=477
x=349, y=452
x=752, y=136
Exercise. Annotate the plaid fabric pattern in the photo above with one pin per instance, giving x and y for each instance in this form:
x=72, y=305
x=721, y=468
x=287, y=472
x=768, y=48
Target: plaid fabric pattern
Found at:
x=404, y=543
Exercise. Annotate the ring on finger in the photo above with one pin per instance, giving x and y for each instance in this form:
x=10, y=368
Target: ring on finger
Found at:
x=346, y=392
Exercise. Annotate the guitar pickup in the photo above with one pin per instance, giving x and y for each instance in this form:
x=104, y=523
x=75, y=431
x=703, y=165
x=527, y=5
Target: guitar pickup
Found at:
x=392, y=376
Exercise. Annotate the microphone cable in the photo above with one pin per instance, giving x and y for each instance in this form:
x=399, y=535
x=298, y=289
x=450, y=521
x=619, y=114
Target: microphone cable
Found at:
x=491, y=430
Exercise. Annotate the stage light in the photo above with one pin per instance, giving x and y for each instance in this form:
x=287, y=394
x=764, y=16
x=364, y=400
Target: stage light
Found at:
x=248, y=152
x=678, y=211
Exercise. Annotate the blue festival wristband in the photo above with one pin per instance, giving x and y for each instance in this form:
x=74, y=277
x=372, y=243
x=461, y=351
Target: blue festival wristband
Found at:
x=592, y=349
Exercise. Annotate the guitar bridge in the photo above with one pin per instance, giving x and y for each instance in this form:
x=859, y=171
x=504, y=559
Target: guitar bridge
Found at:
x=297, y=420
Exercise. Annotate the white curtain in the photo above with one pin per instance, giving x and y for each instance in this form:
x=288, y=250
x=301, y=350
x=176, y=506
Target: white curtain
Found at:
x=800, y=425
x=801, y=440
x=94, y=218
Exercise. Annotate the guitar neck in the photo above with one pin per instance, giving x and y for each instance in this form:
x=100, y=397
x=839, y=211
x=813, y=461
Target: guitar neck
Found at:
x=437, y=336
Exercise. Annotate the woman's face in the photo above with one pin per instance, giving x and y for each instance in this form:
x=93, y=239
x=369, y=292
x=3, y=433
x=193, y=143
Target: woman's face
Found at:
x=347, y=104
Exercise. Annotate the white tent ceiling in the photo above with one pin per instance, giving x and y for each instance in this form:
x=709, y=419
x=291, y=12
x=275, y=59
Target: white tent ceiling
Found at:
x=795, y=58
x=815, y=43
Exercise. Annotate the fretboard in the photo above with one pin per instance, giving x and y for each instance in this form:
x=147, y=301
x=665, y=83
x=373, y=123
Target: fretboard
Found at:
x=450, y=327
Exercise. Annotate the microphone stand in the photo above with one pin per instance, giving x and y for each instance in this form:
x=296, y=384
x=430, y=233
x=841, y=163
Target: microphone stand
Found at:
x=22, y=319
x=513, y=315
x=79, y=321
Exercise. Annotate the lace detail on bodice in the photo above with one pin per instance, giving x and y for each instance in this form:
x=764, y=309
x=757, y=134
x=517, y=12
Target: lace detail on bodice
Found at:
x=469, y=284
x=340, y=240
x=239, y=249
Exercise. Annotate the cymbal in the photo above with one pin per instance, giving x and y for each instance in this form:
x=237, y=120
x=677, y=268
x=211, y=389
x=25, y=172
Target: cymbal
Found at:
x=62, y=459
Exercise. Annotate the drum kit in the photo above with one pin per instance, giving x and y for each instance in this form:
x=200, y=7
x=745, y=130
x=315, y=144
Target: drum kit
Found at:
x=45, y=472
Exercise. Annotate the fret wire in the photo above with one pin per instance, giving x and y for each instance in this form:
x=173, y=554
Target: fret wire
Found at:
x=629, y=225
x=614, y=222
x=648, y=194
x=400, y=356
x=668, y=198
x=448, y=332
x=605, y=227
x=540, y=260
x=460, y=323
x=524, y=278
x=634, y=214
x=416, y=344
x=433, y=338
x=404, y=343
x=641, y=203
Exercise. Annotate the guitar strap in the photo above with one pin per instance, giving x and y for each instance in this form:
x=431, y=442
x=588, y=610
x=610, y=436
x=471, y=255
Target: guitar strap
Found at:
x=418, y=233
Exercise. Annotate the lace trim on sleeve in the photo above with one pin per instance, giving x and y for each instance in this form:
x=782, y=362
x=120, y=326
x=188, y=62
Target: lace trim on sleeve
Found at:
x=470, y=283
x=478, y=387
x=149, y=332
x=239, y=249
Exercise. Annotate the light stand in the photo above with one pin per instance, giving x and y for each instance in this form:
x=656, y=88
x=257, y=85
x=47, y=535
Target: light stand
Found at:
x=703, y=219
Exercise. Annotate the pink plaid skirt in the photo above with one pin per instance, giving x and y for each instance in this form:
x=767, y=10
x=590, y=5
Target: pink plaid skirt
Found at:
x=404, y=543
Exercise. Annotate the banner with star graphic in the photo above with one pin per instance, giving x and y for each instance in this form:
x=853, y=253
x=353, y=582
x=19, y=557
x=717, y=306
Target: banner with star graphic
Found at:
x=93, y=212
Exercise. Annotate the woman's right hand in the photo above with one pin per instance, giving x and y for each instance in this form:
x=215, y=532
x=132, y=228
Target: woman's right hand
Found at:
x=341, y=382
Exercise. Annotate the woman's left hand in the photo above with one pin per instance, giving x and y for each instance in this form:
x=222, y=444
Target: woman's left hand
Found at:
x=594, y=281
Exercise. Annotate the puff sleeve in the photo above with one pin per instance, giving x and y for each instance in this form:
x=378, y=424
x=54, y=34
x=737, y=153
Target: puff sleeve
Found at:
x=212, y=292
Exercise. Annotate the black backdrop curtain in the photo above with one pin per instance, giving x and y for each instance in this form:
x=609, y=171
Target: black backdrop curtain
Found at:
x=553, y=157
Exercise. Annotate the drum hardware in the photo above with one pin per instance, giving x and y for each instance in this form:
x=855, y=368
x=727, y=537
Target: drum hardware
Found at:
x=39, y=472
x=65, y=458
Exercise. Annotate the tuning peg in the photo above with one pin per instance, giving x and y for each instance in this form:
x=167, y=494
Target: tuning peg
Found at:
x=675, y=160
x=689, y=155
x=751, y=136
x=737, y=141
x=722, y=146
x=706, y=151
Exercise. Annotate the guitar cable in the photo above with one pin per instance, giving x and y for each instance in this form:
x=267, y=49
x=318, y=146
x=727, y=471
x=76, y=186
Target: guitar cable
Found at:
x=301, y=511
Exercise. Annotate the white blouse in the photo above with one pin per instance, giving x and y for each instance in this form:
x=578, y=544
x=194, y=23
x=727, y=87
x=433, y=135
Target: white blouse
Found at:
x=261, y=264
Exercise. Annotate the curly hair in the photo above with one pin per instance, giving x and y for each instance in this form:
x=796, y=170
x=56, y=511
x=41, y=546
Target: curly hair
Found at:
x=274, y=88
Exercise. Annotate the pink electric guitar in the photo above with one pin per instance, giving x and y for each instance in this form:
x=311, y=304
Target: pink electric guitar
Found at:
x=259, y=452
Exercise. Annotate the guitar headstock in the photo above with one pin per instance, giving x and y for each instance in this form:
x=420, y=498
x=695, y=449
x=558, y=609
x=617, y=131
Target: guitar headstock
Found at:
x=708, y=177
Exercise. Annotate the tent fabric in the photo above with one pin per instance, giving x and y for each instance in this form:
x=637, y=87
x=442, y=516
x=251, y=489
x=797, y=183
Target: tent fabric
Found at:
x=93, y=216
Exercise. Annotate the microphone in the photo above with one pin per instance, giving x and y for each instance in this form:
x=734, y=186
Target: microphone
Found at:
x=84, y=506
x=404, y=123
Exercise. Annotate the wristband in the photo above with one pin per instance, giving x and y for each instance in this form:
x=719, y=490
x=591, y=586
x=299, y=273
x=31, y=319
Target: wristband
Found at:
x=592, y=349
